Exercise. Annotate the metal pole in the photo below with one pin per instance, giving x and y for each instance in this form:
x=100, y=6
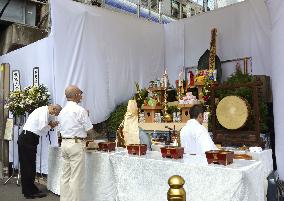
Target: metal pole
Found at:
x=205, y=5
x=138, y=8
x=40, y=162
x=215, y=4
x=157, y=6
x=2, y=121
x=160, y=12
x=25, y=11
x=19, y=168
x=188, y=14
x=149, y=9
x=103, y=3
x=180, y=10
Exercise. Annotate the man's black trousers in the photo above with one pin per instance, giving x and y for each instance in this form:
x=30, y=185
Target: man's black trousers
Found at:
x=27, y=148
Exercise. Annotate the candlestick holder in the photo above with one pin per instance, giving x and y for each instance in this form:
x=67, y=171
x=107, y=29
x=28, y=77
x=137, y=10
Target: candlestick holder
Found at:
x=167, y=117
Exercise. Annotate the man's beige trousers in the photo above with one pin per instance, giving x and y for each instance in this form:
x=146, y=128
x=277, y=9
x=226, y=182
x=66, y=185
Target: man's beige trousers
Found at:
x=73, y=171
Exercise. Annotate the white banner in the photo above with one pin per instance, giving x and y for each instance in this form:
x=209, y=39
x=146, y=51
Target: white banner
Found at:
x=36, y=76
x=16, y=80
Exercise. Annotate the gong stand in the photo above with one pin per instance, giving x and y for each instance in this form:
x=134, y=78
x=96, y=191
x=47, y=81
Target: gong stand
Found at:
x=238, y=137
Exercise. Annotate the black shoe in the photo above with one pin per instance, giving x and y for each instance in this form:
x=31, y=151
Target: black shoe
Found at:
x=39, y=195
x=29, y=196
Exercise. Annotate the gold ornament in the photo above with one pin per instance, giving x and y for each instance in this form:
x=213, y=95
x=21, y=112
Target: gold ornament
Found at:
x=176, y=191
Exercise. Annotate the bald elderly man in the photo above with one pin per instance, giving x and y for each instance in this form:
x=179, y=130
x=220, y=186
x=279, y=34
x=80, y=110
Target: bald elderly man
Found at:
x=38, y=123
x=75, y=126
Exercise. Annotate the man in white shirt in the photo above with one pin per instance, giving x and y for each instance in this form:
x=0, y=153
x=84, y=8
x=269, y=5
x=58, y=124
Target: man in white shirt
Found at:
x=194, y=136
x=74, y=126
x=37, y=124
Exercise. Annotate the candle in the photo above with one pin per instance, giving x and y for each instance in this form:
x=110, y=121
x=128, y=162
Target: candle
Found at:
x=215, y=75
x=116, y=142
x=180, y=78
x=166, y=81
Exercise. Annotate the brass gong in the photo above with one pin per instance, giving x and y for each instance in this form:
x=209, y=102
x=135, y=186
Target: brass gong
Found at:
x=232, y=112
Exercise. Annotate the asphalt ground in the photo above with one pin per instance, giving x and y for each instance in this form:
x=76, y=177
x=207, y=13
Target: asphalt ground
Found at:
x=12, y=192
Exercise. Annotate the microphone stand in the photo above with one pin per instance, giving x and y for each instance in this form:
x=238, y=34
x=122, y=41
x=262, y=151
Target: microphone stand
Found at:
x=19, y=167
x=169, y=138
x=40, y=159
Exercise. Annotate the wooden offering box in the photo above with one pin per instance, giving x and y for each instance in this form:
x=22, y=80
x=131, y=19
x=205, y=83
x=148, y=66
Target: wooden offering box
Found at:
x=137, y=149
x=219, y=157
x=91, y=145
x=149, y=113
x=107, y=146
x=172, y=152
x=185, y=112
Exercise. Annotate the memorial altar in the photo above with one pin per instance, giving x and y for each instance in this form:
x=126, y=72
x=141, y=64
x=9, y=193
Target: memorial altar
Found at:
x=119, y=176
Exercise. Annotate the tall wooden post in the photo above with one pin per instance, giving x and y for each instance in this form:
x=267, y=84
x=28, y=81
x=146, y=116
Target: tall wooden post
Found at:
x=4, y=92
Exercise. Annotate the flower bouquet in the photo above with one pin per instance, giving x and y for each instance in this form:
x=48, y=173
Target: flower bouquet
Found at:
x=36, y=96
x=16, y=103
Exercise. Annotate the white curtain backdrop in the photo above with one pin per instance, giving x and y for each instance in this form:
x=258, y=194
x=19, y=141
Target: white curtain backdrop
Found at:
x=276, y=9
x=242, y=30
x=38, y=54
x=174, y=48
x=104, y=53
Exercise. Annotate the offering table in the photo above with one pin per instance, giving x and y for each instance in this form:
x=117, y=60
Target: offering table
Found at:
x=120, y=176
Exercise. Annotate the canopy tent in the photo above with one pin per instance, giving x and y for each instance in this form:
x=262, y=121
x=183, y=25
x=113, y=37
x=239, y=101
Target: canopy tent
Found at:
x=276, y=10
x=104, y=52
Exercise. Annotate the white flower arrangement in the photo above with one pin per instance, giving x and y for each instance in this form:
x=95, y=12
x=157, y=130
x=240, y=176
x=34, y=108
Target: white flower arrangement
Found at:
x=20, y=102
x=16, y=103
x=36, y=96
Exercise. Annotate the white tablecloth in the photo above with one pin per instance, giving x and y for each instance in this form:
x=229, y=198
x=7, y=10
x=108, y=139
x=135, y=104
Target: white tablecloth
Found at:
x=100, y=180
x=146, y=177
x=54, y=169
x=118, y=176
x=265, y=157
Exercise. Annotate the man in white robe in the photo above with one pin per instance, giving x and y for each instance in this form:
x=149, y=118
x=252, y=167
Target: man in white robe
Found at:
x=194, y=136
